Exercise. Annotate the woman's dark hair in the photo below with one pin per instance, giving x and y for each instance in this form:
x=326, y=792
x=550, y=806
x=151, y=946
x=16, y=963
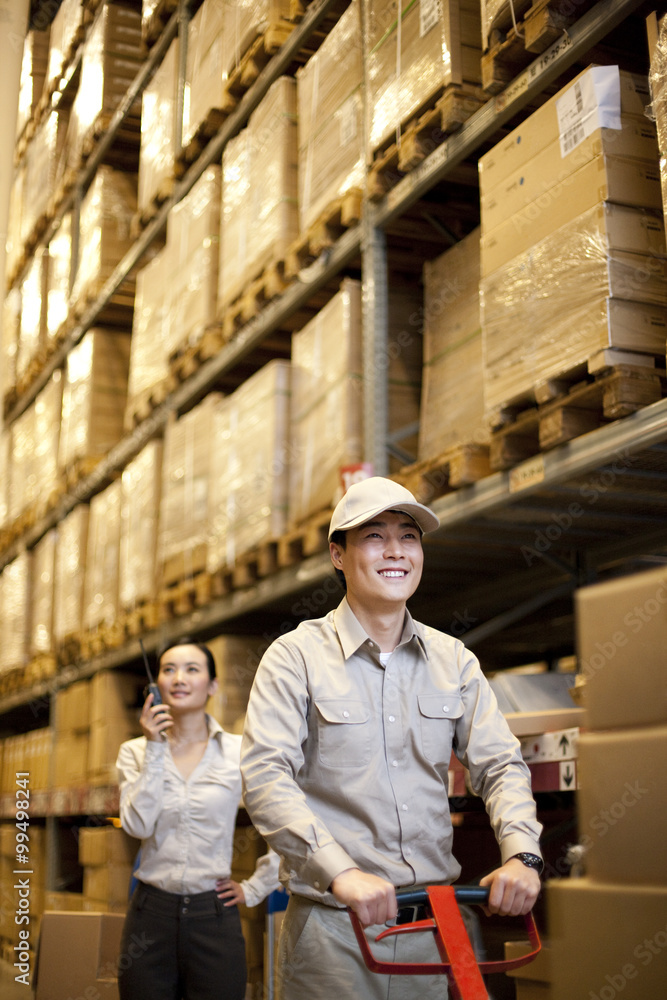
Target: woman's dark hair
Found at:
x=185, y=641
x=340, y=538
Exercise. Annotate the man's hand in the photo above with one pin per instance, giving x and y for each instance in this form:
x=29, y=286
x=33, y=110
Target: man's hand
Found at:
x=372, y=899
x=514, y=889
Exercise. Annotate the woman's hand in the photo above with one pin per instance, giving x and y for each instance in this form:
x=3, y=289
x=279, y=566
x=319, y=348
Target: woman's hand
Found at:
x=230, y=891
x=155, y=720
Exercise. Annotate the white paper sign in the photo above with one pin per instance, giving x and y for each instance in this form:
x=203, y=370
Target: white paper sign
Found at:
x=593, y=101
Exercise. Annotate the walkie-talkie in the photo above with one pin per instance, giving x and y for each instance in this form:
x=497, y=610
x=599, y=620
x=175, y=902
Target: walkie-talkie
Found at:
x=152, y=686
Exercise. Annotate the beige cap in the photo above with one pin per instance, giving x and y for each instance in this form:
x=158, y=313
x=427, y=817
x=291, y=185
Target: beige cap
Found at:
x=370, y=497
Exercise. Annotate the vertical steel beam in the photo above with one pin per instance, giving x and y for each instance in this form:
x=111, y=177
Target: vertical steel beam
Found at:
x=375, y=336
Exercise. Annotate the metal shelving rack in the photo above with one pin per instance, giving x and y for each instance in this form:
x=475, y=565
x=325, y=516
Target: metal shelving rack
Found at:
x=496, y=510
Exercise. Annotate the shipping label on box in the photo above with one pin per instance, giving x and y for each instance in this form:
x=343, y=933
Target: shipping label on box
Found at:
x=555, y=746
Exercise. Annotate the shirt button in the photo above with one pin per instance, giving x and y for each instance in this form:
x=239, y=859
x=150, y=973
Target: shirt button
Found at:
x=316, y=884
x=404, y=807
x=185, y=909
x=392, y=718
x=394, y=763
x=186, y=899
x=445, y=708
x=346, y=715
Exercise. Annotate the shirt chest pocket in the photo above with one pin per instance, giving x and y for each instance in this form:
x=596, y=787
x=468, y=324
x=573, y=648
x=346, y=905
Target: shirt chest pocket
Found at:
x=438, y=714
x=344, y=732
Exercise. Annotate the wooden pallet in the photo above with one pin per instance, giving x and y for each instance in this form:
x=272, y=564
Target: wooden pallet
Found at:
x=200, y=139
x=144, y=216
x=102, y=639
x=563, y=411
x=153, y=27
x=41, y=667
x=306, y=539
x=142, y=406
x=68, y=649
x=458, y=466
x=253, y=61
x=268, y=285
x=186, y=361
x=512, y=48
x=145, y=617
x=343, y=213
x=77, y=471
x=442, y=114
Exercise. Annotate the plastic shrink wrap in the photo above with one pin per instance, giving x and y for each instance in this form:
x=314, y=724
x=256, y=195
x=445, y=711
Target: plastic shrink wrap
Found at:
x=259, y=216
x=94, y=397
x=248, y=498
x=186, y=476
x=594, y=283
x=141, y=492
x=34, y=449
x=157, y=153
x=452, y=352
x=330, y=111
x=32, y=324
x=15, y=611
x=150, y=335
x=57, y=285
x=66, y=33
x=100, y=599
x=70, y=571
x=204, y=74
x=411, y=61
x=34, y=67
x=42, y=595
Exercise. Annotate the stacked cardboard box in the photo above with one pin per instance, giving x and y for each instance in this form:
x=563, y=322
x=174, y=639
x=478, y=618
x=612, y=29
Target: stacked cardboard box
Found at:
x=259, y=191
x=569, y=237
x=204, y=76
x=158, y=145
x=236, y=658
x=193, y=252
x=100, y=595
x=33, y=74
x=248, y=848
x=11, y=323
x=142, y=486
x=44, y=163
x=107, y=210
x=32, y=321
x=58, y=279
x=34, y=449
x=186, y=482
x=658, y=87
x=327, y=393
x=115, y=700
x=40, y=641
x=66, y=33
x=94, y=396
x=608, y=929
x=111, y=58
x=15, y=611
x=409, y=63
x=149, y=354
x=249, y=471
x=29, y=752
x=330, y=108
x=452, y=352
x=70, y=572
x=71, y=737
x=246, y=21
x=107, y=856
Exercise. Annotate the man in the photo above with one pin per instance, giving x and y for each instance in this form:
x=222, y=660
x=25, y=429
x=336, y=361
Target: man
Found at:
x=349, y=731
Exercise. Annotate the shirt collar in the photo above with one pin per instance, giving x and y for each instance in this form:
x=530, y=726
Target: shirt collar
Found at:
x=352, y=634
x=215, y=730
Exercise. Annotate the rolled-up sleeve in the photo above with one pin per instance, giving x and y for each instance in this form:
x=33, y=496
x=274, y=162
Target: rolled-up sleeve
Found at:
x=276, y=728
x=140, y=777
x=263, y=880
x=486, y=746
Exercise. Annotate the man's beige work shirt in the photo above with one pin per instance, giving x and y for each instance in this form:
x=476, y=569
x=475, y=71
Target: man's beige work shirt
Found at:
x=345, y=762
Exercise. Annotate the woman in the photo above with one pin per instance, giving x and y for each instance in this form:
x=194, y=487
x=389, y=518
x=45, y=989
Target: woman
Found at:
x=180, y=787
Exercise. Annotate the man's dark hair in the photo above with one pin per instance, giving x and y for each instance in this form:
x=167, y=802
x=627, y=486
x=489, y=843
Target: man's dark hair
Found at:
x=185, y=641
x=340, y=538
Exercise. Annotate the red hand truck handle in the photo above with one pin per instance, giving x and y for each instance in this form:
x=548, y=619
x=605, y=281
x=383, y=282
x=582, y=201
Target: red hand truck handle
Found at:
x=458, y=959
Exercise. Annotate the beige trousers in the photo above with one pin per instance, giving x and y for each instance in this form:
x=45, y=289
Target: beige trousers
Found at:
x=319, y=959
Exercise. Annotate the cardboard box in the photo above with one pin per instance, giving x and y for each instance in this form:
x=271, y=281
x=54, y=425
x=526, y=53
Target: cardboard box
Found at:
x=115, y=696
x=559, y=745
x=548, y=169
x=73, y=708
x=452, y=351
x=70, y=764
x=103, y=845
x=142, y=488
x=105, y=741
x=621, y=804
x=110, y=883
x=621, y=636
x=628, y=93
x=100, y=597
x=606, y=178
x=607, y=940
x=78, y=953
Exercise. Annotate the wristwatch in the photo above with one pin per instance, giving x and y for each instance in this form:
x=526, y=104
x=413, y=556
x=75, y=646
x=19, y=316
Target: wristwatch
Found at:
x=531, y=861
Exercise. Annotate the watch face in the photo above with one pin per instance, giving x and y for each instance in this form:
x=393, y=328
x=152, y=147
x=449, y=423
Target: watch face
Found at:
x=531, y=861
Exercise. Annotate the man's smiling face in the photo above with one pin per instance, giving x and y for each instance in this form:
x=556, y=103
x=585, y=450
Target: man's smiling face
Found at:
x=382, y=560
